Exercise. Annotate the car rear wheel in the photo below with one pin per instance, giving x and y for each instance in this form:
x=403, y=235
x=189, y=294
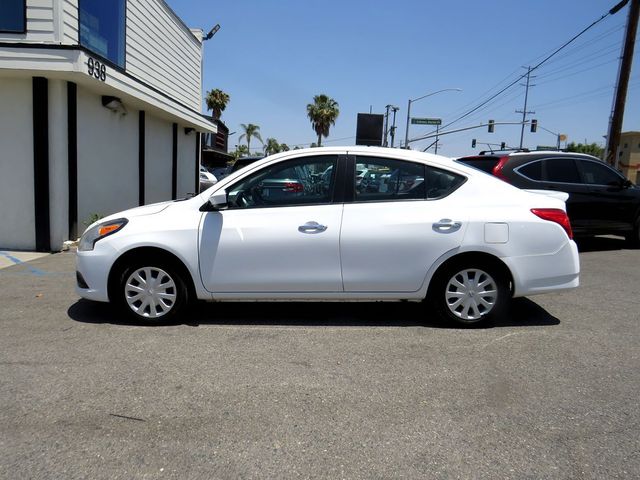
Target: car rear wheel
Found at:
x=471, y=294
x=152, y=292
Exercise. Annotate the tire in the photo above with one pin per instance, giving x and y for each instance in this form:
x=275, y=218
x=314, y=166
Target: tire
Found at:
x=152, y=292
x=471, y=293
x=633, y=237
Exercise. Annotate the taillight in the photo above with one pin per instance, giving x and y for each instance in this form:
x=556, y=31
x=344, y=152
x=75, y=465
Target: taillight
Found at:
x=497, y=170
x=295, y=187
x=555, y=215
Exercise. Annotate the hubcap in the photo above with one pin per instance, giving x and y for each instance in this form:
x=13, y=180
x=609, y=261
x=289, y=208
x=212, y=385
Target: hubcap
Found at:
x=470, y=294
x=150, y=292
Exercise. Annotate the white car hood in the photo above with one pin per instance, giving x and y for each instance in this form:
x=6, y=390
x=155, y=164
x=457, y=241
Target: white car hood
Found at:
x=138, y=211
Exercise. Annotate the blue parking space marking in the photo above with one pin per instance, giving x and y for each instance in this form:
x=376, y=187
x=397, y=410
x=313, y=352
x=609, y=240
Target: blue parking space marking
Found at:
x=17, y=261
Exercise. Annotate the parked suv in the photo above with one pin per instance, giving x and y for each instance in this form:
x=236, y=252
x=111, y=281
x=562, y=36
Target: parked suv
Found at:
x=601, y=200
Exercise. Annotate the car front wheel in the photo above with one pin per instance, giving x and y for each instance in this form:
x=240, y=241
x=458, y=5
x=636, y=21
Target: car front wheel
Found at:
x=471, y=294
x=152, y=292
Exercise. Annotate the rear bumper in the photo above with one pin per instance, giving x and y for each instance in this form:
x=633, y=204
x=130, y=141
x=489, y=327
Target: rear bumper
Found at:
x=545, y=273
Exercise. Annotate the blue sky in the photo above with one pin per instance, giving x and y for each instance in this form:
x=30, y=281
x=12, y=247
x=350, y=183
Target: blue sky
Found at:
x=273, y=57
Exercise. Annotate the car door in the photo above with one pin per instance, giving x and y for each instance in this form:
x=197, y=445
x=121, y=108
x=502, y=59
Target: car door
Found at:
x=279, y=234
x=401, y=220
x=613, y=204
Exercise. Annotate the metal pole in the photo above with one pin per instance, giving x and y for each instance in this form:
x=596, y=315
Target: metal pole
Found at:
x=437, y=134
x=524, y=111
x=393, y=127
x=406, y=131
x=385, y=142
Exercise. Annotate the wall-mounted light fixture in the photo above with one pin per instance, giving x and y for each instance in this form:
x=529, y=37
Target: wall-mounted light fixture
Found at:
x=212, y=32
x=188, y=130
x=114, y=104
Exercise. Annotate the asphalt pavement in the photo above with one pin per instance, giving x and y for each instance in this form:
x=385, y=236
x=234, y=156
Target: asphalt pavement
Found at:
x=313, y=390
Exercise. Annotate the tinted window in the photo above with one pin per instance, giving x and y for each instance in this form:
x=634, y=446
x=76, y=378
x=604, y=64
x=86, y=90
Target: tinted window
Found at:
x=102, y=28
x=440, y=183
x=12, y=13
x=595, y=174
x=484, y=164
x=386, y=179
x=303, y=181
x=561, y=170
x=531, y=170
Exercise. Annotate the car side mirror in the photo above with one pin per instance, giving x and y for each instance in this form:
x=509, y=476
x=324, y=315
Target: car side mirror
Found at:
x=218, y=201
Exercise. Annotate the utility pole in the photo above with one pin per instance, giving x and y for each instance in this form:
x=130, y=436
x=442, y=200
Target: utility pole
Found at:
x=617, y=115
x=524, y=111
x=394, y=109
x=385, y=142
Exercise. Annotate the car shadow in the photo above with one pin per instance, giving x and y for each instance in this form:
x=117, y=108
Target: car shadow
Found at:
x=523, y=313
x=600, y=244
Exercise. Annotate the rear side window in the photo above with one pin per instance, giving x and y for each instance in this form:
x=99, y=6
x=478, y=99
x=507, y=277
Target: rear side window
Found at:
x=484, y=164
x=595, y=174
x=532, y=171
x=441, y=183
x=561, y=170
x=383, y=179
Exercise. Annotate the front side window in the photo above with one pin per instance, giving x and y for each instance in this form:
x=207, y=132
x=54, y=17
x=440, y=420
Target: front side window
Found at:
x=102, y=28
x=596, y=174
x=379, y=179
x=304, y=181
x=12, y=16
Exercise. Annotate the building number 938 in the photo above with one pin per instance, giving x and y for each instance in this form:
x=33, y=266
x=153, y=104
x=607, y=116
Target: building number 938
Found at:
x=97, y=69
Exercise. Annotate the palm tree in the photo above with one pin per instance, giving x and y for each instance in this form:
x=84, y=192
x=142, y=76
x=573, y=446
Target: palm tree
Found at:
x=322, y=113
x=217, y=101
x=250, y=130
x=240, y=151
x=271, y=146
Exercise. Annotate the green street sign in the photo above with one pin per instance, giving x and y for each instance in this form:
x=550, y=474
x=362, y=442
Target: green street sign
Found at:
x=426, y=121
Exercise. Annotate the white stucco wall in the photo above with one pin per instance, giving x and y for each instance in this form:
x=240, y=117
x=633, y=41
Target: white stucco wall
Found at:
x=107, y=158
x=186, y=163
x=17, y=216
x=58, y=164
x=158, y=148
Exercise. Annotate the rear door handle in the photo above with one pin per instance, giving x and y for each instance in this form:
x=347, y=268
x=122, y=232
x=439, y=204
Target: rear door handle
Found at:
x=446, y=225
x=312, y=227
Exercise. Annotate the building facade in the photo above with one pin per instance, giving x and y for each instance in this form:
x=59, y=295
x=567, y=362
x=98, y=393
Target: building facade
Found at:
x=629, y=160
x=101, y=105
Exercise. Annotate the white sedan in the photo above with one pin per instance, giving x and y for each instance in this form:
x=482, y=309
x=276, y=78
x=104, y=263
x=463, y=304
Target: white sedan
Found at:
x=294, y=227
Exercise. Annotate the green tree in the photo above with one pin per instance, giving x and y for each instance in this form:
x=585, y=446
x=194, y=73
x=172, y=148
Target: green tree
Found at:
x=323, y=113
x=250, y=131
x=284, y=147
x=590, y=149
x=217, y=101
x=240, y=151
x=271, y=146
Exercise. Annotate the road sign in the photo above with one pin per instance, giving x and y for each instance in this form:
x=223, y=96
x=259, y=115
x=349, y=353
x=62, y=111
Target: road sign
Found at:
x=426, y=121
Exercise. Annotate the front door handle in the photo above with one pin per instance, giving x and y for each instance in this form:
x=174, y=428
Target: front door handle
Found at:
x=312, y=227
x=446, y=225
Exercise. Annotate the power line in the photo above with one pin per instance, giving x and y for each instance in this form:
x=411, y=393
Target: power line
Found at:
x=542, y=62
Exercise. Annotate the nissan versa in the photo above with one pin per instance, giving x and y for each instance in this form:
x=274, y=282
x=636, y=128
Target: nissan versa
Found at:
x=300, y=226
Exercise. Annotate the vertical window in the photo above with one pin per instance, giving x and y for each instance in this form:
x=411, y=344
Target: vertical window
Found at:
x=12, y=16
x=102, y=28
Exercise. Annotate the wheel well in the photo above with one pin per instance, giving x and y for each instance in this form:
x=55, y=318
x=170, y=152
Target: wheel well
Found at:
x=153, y=253
x=468, y=257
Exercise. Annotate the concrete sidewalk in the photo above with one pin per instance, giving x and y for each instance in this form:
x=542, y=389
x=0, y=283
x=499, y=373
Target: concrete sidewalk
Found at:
x=9, y=258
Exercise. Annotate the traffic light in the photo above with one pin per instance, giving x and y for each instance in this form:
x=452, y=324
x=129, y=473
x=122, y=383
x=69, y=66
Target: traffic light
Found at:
x=491, y=126
x=473, y=143
x=534, y=126
x=503, y=145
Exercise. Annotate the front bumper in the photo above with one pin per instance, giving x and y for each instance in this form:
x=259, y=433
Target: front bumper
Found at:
x=94, y=267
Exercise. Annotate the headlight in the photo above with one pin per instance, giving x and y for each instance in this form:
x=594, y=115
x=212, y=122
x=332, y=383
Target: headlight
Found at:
x=97, y=232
